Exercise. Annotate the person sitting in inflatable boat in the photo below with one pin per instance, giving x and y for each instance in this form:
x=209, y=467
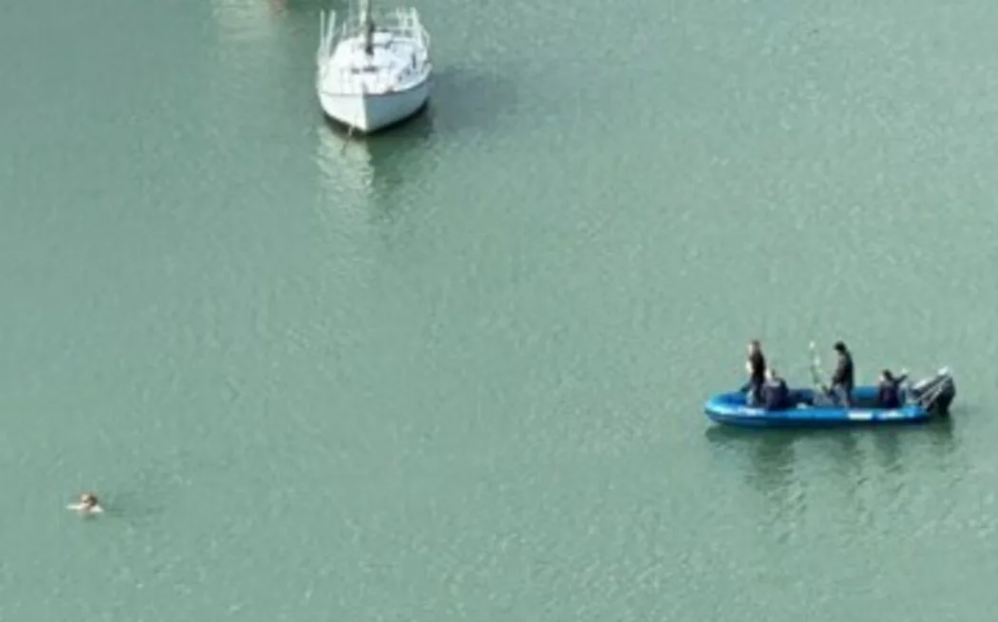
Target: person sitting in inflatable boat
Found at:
x=889, y=389
x=775, y=393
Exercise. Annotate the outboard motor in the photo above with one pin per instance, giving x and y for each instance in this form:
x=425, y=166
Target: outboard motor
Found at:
x=936, y=393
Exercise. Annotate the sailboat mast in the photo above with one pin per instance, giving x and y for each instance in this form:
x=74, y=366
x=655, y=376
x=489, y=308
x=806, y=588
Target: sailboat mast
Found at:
x=368, y=25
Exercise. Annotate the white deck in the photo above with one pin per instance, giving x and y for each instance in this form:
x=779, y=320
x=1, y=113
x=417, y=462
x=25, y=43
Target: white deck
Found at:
x=395, y=65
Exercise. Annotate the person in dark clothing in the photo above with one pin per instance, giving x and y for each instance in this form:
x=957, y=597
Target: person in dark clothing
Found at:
x=842, y=379
x=756, y=368
x=776, y=395
x=889, y=390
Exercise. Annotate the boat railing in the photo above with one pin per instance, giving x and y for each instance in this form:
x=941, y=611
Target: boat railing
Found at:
x=404, y=23
x=327, y=35
x=347, y=79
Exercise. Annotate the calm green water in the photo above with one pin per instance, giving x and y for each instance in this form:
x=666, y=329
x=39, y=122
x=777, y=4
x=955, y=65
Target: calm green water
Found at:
x=455, y=372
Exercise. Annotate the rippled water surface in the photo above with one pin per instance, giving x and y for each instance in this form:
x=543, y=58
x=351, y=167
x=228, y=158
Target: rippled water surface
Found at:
x=455, y=372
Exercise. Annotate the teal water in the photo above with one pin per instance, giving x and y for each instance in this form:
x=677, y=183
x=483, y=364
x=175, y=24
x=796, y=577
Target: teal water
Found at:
x=456, y=371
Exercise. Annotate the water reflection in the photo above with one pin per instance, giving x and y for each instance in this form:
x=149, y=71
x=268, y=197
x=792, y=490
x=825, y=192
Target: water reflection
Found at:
x=377, y=166
x=771, y=454
x=941, y=437
x=894, y=446
x=888, y=452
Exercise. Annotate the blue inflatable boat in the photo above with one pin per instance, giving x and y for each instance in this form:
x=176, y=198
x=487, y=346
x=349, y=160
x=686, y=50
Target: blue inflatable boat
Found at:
x=922, y=401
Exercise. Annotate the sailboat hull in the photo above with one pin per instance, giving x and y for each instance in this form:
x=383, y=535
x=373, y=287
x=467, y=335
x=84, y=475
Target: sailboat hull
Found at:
x=370, y=112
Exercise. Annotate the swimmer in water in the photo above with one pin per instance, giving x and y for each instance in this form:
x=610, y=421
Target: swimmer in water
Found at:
x=87, y=505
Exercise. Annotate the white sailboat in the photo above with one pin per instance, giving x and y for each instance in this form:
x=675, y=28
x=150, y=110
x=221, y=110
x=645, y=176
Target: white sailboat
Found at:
x=372, y=74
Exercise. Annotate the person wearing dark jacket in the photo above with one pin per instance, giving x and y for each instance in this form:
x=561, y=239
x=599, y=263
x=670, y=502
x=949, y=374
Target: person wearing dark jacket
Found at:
x=842, y=379
x=889, y=389
x=775, y=393
x=756, y=368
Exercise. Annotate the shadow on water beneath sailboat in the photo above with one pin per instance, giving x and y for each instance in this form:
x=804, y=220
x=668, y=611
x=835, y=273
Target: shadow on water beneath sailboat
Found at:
x=461, y=100
x=476, y=100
